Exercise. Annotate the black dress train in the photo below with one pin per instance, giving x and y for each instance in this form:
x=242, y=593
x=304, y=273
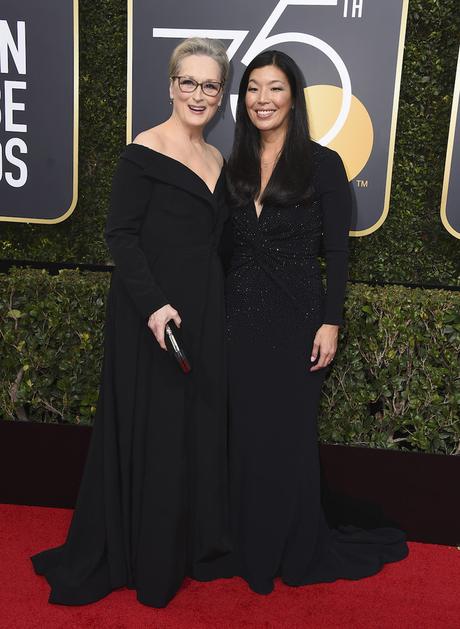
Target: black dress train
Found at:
x=275, y=304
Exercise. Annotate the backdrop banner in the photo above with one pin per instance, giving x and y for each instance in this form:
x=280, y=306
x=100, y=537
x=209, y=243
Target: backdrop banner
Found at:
x=38, y=110
x=350, y=52
x=450, y=199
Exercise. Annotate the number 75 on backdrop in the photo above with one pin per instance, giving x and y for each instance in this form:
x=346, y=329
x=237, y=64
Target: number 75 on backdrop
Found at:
x=350, y=52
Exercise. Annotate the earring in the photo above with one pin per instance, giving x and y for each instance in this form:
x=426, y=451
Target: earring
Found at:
x=171, y=101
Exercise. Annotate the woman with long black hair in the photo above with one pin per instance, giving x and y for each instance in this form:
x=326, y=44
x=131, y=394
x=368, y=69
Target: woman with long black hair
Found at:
x=291, y=201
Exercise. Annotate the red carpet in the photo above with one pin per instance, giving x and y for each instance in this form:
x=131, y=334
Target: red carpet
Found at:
x=420, y=592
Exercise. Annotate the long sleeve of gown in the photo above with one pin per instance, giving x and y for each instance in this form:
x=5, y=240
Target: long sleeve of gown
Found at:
x=131, y=192
x=336, y=206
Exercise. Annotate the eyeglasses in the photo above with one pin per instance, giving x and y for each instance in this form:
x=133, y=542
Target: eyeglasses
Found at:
x=188, y=85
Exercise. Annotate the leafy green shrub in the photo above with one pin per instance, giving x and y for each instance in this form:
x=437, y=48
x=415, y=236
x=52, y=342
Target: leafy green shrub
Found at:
x=396, y=379
x=395, y=382
x=51, y=335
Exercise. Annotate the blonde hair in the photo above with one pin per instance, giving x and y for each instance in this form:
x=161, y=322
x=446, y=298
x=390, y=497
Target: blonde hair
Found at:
x=213, y=48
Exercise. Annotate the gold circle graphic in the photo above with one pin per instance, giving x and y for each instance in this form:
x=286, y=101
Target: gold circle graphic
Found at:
x=355, y=140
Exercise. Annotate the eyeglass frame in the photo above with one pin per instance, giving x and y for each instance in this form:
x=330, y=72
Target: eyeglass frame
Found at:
x=198, y=84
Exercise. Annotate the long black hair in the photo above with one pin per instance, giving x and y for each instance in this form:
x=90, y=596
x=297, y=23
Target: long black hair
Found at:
x=291, y=179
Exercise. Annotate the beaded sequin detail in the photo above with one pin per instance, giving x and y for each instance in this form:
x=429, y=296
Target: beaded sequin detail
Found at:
x=274, y=281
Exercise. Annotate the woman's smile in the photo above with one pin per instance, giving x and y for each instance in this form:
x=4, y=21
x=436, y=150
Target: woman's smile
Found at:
x=265, y=113
x=197, y=109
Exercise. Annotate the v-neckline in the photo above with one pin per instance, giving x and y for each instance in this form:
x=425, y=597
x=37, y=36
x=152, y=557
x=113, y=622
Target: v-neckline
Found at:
x=190, y=170
x=258, y=216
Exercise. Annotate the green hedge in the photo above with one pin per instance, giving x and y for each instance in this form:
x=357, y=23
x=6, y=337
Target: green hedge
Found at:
x=396, y=378
x=412, y=245
x=395, y=382
x=51, y=335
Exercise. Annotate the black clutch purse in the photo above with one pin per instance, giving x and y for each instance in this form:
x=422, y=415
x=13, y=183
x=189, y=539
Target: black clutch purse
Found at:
x=175, y=346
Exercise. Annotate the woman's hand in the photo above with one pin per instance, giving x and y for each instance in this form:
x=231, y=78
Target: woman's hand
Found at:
x=324, y=346
x=158, y=320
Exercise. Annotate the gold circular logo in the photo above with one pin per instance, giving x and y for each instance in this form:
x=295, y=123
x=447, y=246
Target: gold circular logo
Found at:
x=354, y=141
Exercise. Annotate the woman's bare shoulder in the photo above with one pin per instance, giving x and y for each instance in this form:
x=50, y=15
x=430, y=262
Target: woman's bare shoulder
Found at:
x=151, y=138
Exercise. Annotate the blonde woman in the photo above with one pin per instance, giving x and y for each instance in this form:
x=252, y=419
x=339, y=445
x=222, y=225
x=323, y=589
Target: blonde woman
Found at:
x=152, y=507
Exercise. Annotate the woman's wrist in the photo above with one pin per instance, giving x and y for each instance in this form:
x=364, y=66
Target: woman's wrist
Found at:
x=331, y=326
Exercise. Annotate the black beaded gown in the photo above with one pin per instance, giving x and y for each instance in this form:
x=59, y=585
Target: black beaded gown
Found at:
x=275, y=304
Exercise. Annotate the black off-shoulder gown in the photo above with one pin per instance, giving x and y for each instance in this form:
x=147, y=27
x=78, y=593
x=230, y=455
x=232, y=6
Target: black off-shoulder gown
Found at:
x=275, y=304
x=152, y=505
